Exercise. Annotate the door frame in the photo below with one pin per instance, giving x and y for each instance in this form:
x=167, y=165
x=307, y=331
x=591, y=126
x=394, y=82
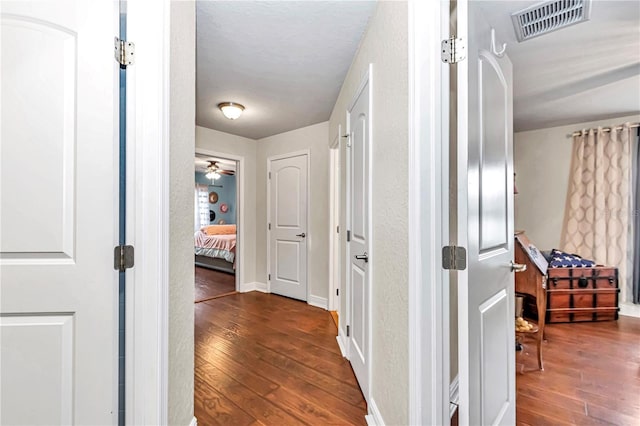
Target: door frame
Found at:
x=147, y=362
x=428, y=205
x=367, y=79
x=240, y=216
x=334, y=221
x=147, y=322
x=309, y=238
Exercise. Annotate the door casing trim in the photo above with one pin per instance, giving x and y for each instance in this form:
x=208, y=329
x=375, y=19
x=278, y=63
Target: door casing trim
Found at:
x=334, y=222
x=428, y=205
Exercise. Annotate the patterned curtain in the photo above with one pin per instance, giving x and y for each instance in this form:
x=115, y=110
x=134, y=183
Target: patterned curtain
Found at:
x=596, y=218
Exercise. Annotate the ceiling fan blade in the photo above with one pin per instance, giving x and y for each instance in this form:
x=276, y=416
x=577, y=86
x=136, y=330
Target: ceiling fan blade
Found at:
x=227, y=172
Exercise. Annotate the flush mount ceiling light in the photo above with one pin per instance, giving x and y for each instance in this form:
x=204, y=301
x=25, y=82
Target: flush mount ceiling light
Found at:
x=231, y=110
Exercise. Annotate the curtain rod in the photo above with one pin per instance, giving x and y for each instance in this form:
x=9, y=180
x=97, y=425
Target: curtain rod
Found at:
x=608, y=129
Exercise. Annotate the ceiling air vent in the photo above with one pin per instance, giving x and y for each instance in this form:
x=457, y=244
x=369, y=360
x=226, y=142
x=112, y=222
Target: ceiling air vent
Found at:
x=549, y=16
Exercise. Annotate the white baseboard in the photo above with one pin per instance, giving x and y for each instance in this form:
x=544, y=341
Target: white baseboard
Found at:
x=454, y=396
x=374, y=418
x=342, y=343
x=253, y=286
x=629, y=309
x=194, y=422
x=318, y=302
x=246, y=287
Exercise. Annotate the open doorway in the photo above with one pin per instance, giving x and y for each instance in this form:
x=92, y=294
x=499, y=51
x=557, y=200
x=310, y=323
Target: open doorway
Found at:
x=557, y=94
x=216, y=208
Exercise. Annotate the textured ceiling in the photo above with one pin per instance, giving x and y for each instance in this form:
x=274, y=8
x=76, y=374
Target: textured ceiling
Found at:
x=585, y=72
x=285, y=61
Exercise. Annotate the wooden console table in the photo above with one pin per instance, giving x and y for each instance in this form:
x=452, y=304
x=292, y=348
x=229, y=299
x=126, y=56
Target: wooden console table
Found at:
x=532, y=282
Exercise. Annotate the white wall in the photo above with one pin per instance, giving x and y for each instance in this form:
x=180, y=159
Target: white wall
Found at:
x=181, y=276
x=385, y=45
x=313, y=138
x=542, y=159
x=225, y=143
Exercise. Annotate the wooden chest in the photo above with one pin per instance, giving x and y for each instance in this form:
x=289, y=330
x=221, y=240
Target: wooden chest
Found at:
x=582, y=294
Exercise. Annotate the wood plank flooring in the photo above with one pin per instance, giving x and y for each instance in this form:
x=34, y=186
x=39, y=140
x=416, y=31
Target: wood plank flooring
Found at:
x=262, y=359
x=591, y=376
x=210, y=284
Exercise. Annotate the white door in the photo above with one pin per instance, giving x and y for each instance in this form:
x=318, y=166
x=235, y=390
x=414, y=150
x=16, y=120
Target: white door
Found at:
x=58, y=290
x=358, y=236
x=288, y=226
x=334, y=230
x=485, y=173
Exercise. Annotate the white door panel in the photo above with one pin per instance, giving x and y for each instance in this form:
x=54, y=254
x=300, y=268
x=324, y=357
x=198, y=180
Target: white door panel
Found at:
x=288, y=234
x=58, y=289
x=359, y=244
x=485, y=164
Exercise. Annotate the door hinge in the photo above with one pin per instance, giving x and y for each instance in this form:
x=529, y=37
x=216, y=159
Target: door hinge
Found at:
x=348, y=136
x=122, y=258
x=123, y=52
x=454, y=258
x=453, y=50
x=269, y=175
x=338, y=229
x=347, y=331
x=337, y=292
x=269, y=227
x=269, y=277
x=348, y=235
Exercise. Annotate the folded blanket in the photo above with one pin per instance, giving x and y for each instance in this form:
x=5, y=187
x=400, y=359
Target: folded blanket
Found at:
x=560, y=259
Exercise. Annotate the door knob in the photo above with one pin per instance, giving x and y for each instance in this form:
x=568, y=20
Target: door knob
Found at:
x=364, y=257
x=518, y=267
x=301, y=235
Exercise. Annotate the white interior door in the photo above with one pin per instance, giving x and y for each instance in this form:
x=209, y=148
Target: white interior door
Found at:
x=58, y=294
x=485, y=176
x=359, y=234
x=288, y=203
x=334, y=233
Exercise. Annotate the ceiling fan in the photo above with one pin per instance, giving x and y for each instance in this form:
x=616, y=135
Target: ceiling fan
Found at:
x=214, y=171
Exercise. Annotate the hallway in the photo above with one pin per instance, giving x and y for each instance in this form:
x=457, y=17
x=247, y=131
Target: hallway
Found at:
x=267, y=359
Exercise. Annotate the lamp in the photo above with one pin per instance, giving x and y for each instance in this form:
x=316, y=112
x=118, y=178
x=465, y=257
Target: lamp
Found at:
x=213, y=175
x=231, y=110
x=212, y=171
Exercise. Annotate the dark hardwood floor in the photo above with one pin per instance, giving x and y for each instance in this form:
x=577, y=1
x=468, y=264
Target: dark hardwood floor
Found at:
x=210, y=284
x=262, y=359
x=591, y=375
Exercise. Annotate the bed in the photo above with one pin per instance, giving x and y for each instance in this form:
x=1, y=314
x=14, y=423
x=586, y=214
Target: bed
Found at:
x=215, y=247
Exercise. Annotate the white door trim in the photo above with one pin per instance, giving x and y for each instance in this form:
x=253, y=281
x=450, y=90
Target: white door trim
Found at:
x=428, y=215
x=366, y=79
x=334, y=222
x=343, y=340
x=309, y=235
x=148, y=218
x=240, y=214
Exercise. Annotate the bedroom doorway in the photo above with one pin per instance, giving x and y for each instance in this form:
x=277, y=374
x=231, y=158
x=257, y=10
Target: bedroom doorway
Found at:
x=216, y=214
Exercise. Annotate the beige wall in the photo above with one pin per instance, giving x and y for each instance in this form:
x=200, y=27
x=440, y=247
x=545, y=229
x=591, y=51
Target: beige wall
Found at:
x=385, y=45
x=541, y=161
x=181, y=276
x=314, y=139
x=225, y=143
